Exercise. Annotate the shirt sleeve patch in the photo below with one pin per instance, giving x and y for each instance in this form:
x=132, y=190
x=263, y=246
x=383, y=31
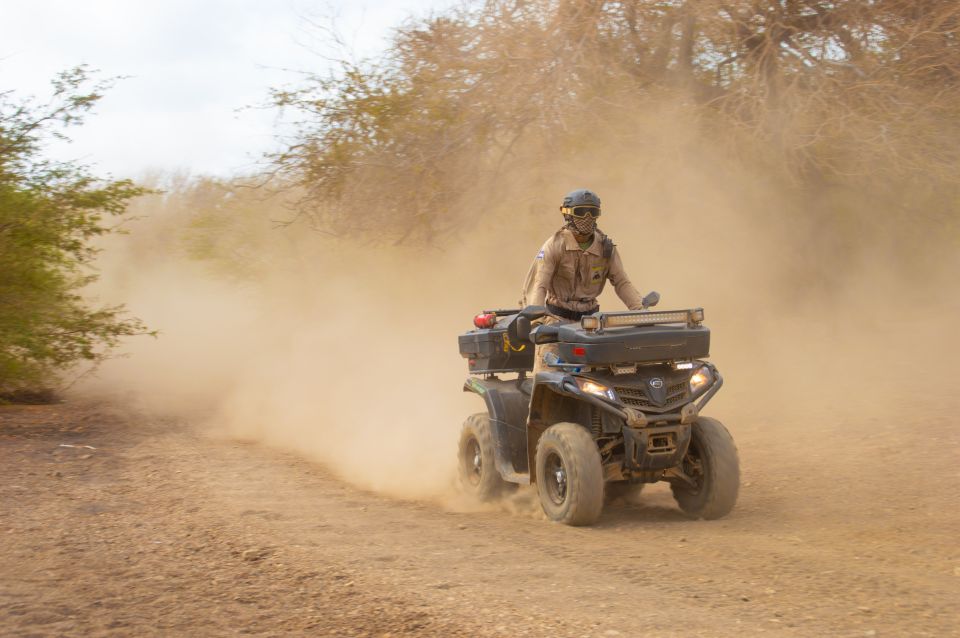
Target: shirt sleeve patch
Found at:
x=540, y=254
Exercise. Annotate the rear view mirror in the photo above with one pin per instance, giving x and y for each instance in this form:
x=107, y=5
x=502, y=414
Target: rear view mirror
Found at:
x=652, y=299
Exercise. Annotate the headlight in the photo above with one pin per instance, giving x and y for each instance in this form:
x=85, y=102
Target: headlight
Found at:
x=700, y=379
x=598, y=389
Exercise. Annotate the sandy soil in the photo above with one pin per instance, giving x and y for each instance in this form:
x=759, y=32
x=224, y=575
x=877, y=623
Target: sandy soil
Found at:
x=165, y=529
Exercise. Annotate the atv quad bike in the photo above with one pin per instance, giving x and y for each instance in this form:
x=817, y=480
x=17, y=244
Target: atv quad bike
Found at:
x=618, y=406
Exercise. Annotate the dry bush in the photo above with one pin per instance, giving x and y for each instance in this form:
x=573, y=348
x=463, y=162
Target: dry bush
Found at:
x=849, y=109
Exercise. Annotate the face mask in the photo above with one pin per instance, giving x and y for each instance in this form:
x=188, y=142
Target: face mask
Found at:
x=582, y=225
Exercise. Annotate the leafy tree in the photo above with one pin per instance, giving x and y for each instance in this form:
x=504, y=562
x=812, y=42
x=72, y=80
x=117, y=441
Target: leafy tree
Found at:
x=50, y=213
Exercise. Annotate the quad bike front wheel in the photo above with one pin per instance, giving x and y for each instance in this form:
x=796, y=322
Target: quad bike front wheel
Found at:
x=569, y=475
x=477, y=465
x=712, y=462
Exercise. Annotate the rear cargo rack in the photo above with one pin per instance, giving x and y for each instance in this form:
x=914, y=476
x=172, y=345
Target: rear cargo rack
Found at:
x=598, y=321
x=501, y=312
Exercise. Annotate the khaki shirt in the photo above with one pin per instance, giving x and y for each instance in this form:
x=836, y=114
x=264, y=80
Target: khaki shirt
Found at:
x=564, y=275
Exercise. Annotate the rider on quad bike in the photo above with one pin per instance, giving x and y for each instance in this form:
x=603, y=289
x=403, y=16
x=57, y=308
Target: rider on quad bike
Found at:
x=573, y=266
x=615, y=398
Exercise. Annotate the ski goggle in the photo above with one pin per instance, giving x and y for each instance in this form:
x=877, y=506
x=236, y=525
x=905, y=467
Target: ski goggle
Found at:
x=582, y=211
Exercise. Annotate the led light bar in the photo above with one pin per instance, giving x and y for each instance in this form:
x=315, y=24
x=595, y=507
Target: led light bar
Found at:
x=599, y=321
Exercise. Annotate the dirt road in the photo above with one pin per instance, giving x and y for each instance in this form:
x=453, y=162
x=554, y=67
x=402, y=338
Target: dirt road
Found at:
x=163, y=529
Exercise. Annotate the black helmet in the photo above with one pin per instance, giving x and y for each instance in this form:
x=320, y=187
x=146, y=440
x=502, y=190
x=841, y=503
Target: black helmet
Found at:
x=581, y=197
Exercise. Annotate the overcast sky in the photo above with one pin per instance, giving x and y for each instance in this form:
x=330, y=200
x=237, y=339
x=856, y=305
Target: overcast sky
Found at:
x=192, y=65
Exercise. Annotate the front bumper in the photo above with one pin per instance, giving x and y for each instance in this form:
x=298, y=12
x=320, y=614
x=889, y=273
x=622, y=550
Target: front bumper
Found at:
x=654, y=448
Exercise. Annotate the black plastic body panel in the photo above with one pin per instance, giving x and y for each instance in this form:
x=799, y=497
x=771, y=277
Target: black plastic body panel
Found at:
x=549, y=392
x=641, y=344
x=508, y=408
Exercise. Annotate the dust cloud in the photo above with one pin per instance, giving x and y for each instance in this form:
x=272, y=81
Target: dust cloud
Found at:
x=346, y=352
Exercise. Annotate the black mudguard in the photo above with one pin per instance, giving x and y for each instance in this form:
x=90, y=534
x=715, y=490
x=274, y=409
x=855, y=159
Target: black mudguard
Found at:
x=508, y=407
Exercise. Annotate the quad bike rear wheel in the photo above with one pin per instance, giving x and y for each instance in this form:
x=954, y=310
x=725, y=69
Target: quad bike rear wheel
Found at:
x=477, y=465
x=712, y=462
x=569, y=475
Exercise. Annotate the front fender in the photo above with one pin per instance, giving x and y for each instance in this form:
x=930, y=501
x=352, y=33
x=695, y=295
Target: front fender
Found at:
x=508, y=408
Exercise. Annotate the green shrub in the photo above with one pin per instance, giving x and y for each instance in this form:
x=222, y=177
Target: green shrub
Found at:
x=50, y=212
